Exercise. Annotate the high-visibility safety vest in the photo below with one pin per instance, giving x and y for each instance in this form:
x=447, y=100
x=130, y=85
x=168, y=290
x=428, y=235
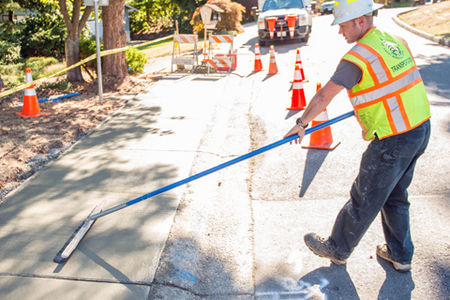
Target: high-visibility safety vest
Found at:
x=390, y=98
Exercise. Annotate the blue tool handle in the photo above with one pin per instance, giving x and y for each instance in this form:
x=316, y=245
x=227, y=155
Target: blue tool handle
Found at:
x=221, y=166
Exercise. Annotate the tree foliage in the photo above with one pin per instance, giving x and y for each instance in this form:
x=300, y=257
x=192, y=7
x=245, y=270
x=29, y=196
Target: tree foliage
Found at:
x=161, y=15
x=43, y=35
x=8, y=6
x=230, y=19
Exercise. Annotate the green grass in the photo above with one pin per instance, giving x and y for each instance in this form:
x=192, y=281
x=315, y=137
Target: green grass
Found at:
x=14, y=75
x=155, y=45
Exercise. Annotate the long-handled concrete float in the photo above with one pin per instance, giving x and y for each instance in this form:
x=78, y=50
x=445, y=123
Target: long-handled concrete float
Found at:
x=69, y=247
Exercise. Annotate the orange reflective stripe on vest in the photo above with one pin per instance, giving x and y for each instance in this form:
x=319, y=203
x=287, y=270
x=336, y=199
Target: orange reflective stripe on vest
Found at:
x=390, y=98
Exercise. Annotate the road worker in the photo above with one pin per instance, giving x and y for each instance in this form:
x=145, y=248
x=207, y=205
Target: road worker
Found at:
x=389, y=100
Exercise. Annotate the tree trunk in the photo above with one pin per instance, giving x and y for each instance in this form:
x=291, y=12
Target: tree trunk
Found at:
x=72, y=49
x=115, y=65
x=74, y=26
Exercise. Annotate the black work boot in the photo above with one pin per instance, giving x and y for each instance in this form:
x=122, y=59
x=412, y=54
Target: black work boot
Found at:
x=320, y=247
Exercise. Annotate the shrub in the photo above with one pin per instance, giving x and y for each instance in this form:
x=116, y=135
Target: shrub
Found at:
x=14, y=74
x=230, y=19
x=37, y=65
x=88, y=47
x=135, y=60
x=9, y=53
x=43, y=35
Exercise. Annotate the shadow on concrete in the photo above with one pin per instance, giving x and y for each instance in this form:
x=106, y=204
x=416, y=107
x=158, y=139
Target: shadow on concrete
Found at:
x=314, y=160
x=268, y=76
x=331, y=282
x=283, y=46
x=436, y=74
x=175, y=76
x=397, y=285
x=291, y=113
x=37, y=219
x=443, y=277
x=334, y=282
x=188, y=272
x=130, y=123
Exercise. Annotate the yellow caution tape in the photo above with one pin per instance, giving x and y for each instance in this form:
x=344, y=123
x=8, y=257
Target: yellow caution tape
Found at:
x=87, y=59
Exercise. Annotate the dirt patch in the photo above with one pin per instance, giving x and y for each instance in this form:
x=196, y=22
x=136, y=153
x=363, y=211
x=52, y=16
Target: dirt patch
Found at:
x=432, y=19
x=27, y=144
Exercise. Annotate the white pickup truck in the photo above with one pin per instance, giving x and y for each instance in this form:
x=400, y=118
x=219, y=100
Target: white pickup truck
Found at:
x=281, y=9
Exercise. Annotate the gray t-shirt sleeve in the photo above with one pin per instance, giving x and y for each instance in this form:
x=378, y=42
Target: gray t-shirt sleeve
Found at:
x=347, y=74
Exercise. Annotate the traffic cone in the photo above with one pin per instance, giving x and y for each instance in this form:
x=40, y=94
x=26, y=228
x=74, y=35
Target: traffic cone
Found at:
x=291, y=24
x=258, y=64
x=273, y=69
x=298, y=60
x=271, y=23
x=205, y=52
x=321, y=139
x=30, y=107
x=298, y=101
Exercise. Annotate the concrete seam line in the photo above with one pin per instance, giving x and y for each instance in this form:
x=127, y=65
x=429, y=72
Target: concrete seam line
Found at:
x=441, y=41
x=69, y=278
x=87, y=59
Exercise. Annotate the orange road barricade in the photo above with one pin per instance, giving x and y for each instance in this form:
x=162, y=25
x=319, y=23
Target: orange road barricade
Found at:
x=226, y=59
x=321, y=139
x=30, y=107
x=182, y=60
x=298, y=101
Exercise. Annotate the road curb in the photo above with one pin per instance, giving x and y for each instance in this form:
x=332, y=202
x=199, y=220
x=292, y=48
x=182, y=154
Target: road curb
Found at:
x=441, y=41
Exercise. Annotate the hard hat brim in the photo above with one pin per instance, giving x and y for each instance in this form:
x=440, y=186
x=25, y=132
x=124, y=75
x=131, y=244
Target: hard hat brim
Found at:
x=375, y=6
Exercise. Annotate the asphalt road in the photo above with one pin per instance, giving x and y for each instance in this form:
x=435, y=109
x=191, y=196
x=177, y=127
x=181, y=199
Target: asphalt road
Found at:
x=237, y=233
x=240, y=232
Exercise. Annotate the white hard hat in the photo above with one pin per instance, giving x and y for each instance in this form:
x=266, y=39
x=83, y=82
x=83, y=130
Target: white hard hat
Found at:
x=345, y=10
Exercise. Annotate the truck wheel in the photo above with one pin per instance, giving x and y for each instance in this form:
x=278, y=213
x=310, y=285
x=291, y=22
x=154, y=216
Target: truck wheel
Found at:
x=262, y=43
x=305, y=39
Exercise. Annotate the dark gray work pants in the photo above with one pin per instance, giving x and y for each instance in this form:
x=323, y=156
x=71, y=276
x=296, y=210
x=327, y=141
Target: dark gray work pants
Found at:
x=386, y=170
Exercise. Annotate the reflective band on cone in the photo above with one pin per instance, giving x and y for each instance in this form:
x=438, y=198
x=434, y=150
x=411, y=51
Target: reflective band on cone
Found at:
x=205, y=52
x=298, y=61
x=291, y=24
x=298, y=101
x=271, y=23
x=273, y=69
x=258, y=63
x=321, y=139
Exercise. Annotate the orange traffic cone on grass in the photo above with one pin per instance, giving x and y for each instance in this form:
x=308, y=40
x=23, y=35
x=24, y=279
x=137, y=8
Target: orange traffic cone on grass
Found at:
x=321, y=139
x=298, y=101
x=258, y=63
x=273, y=69
x=30, y=107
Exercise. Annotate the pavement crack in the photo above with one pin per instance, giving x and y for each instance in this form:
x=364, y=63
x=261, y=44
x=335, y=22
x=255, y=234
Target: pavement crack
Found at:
x=202, y=295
